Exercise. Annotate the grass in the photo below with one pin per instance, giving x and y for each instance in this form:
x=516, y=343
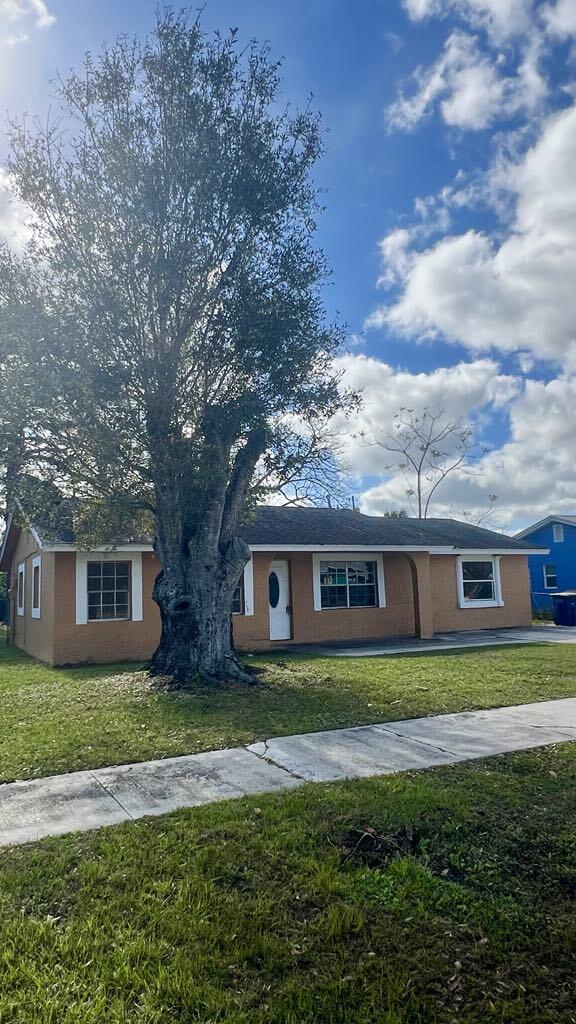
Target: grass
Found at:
x=439, y=897
x=60, y=720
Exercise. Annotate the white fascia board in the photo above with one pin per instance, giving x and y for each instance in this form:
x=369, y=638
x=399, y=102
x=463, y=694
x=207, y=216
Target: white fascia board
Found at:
x=272, y=547
x=6, y=533
x=403, y=548
x=489, y=552
x=566, y=520
x=29, y=526
x=330, y=548
x=102, y=547
x=534, y=527
x=37, y=537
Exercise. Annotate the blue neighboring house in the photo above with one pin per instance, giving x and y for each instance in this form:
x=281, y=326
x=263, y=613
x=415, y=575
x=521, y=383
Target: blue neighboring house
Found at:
x=556, y=571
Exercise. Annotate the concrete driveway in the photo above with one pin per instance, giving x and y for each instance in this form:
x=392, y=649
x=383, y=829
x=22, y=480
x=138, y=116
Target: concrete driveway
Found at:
x=444, y=642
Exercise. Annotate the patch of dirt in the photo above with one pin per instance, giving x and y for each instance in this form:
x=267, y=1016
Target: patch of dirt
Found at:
x=374, y=850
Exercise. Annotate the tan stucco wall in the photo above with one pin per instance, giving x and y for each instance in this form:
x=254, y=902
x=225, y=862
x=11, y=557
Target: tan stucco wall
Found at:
x=55, y=638
x=33, y=635
x=439, y=611
x=309, y=626
x=100, y=642
x=515, y=584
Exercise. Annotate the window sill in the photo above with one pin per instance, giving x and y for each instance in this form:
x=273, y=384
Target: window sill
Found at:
x=352, y=608
x=35, y=613
x=96, y=622
x=481, y=604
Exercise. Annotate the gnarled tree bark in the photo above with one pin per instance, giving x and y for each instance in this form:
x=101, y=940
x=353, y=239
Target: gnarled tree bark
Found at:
x=202, y=559
x=195, y=601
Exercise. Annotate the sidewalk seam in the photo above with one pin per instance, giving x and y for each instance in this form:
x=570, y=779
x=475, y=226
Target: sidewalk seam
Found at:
x=111, y=795
x=270, y=761
x=416, y=739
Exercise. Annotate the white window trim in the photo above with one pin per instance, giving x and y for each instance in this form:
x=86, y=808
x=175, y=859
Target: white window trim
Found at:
x=463, y=602
x=21, y=570
x=249, y=587
x=247, y=590
x=548, y=586
x=82, y=559
x=350, y=556
x=36, y=564
x=558, y=533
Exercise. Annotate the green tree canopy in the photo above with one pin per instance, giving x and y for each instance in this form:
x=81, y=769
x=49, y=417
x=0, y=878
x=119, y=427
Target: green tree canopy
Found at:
x=170, y=323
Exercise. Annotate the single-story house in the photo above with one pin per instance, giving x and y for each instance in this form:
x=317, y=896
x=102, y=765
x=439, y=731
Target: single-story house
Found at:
x=553, y=569
x=315, y=575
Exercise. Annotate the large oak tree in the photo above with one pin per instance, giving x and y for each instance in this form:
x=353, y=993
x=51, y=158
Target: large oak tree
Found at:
x=170, y=326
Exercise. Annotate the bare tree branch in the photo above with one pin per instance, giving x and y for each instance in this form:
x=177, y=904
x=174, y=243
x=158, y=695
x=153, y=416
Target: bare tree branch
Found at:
x=429, y=447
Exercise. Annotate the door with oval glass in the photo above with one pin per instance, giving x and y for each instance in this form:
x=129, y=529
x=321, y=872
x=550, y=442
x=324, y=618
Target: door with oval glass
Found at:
x=279, y=601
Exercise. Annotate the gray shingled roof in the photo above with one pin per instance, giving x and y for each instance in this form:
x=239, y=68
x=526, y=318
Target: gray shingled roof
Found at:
x=322, y=527
x=54, y=524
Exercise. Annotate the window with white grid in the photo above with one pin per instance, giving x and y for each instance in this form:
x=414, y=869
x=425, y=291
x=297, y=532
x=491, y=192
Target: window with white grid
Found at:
x=109, y=590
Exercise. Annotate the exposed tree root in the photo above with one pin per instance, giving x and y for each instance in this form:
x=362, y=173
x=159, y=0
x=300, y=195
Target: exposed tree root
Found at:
x=233, y=673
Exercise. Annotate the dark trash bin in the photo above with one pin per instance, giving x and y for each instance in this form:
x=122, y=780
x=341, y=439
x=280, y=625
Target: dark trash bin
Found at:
x=565, y=608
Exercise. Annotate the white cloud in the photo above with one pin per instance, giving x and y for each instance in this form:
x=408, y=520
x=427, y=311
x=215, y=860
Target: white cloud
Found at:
x=507, y=287
x=502, y=18
x=476, y=96
x=469, y=88
x=463, y=390
x=28, y=12
x=419, y=9
x=394, y=251
x=533, y=473
x=15, y=217
x=14, y=39
x=516, y=295
x=560, y=18
x=44, y=19
x=526, y=362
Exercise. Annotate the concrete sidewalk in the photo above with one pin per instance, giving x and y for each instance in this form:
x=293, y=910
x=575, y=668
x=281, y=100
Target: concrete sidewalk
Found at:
x=89, y=799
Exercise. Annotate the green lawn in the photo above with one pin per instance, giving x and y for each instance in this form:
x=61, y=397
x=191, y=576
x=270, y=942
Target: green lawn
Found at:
x=58, y=720
x=439, y=897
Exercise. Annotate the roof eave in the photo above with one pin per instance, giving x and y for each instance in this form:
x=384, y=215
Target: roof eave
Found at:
x=566, y=520
x=431, y=550
x=5, y=552
x=62, y=547
x=445, y=549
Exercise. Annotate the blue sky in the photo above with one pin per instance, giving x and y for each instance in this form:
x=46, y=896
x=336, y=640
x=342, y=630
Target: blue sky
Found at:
x=450, y=216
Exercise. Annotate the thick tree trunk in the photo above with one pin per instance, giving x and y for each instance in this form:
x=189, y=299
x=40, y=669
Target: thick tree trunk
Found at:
x=198, y=509
x=195, y=601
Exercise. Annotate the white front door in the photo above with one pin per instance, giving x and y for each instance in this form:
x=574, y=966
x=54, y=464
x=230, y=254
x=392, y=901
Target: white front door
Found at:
x=279, y=601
